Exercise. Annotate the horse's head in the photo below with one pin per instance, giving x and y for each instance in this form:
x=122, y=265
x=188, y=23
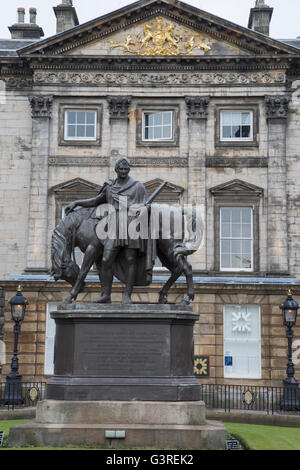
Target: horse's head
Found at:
x=69, y=271
x=63, y=265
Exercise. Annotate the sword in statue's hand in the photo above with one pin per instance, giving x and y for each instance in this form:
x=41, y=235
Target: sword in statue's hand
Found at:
x=155, y=193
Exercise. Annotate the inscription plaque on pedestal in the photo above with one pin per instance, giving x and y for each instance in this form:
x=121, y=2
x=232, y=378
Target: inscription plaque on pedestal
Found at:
x=123, y=350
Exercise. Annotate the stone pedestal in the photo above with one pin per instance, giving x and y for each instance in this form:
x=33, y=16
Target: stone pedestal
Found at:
x=123, y=377
x=118, y=352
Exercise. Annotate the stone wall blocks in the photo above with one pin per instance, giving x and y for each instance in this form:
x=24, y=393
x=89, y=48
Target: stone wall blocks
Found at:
x=29, y=327
x=278, y=352
x=206, y=308
x=27, y=347
x=206, y=350
x=30, y=317
x=207, y=298
x=27, y=358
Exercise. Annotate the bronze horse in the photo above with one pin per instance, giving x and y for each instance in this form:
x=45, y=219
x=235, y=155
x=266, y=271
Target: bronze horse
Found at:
x=77, y=229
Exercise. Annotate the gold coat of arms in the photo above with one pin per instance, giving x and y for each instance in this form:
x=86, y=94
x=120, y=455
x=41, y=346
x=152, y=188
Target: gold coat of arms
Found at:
x=160, y=41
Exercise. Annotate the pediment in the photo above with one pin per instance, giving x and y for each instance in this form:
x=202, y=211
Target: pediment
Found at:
x=170, y=193
x=236, y=187
x=75, y=187
x=161, y=28
x=158, y=37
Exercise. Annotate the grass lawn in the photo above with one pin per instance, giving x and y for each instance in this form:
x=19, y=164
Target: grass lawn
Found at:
x=258, y=437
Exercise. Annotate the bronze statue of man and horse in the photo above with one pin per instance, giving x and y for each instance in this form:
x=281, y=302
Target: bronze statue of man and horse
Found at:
x=129, y=254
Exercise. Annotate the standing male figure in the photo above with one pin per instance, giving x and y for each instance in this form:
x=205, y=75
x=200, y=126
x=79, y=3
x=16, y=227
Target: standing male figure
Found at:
x=129, y=258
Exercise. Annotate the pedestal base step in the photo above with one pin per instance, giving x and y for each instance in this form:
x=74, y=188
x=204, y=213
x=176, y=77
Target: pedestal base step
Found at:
x=178, y=425
x=211, y=435
x=115, y=412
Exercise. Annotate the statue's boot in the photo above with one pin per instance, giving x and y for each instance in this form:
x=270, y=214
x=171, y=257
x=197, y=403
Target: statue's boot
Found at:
x=129, y=285
x=105, y=297
x=126, y=298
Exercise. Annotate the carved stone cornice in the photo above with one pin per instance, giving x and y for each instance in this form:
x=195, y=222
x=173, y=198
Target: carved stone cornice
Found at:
x=78, y=161
x=277, y=106
x=197, y=106
x=41, y=106
x=236, y=162
x=123, y=64
x=118, y=106
x=164, y=162
x=148, y=79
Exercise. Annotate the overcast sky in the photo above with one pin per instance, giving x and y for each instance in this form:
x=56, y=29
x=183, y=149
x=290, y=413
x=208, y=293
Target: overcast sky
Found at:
x=285, y=21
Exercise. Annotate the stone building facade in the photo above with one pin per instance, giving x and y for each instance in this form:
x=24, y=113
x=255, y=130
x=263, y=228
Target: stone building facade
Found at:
x=208, y=106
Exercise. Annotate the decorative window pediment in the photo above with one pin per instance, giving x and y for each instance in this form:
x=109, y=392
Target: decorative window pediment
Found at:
x=170, y=194
x=71, y=190
x=75, y=186
x=238, y=188
x=236, y=226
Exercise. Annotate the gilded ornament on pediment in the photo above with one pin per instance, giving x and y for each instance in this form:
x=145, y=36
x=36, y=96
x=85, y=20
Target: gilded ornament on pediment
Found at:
x=160, y=41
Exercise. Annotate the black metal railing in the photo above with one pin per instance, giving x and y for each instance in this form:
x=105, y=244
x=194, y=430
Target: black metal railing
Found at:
x=249, y=397
x=215, y=396
x=21, y=395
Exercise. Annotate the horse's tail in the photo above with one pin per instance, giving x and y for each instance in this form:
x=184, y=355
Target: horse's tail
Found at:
x=195, y=228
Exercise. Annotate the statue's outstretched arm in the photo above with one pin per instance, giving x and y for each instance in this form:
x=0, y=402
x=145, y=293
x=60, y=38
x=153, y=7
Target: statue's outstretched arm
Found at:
x=92, y=202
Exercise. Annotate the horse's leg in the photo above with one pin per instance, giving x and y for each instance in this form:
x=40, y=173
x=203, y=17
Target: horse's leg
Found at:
x=88, y=260
x=98, y=263
x=188, y=271
x=163, y=293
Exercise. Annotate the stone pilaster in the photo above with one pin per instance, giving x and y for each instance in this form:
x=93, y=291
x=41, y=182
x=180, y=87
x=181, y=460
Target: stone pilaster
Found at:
x=197, y=119
x=38, y=205
x=277, y=113
x=118, y=113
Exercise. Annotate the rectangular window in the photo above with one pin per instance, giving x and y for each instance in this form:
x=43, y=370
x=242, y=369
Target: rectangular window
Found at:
x=80, y=125
x=242, y=341
x=236, y=126
x=236, y=239
x=157, y=125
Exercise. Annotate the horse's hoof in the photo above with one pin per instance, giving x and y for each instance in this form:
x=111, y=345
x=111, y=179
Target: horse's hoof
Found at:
x=185, y=301
x=67, y=300
x=126, y=300
x=104, y=299
x=162, y=301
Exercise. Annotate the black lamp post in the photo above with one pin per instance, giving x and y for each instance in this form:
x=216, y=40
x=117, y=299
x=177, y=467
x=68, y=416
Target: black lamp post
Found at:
x=291, y=393
x=13, y=388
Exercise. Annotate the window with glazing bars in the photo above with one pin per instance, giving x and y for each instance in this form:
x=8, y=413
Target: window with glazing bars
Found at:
x=236, y=239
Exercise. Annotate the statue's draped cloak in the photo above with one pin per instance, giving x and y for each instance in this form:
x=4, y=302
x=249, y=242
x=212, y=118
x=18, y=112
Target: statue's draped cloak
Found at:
x=136, y=194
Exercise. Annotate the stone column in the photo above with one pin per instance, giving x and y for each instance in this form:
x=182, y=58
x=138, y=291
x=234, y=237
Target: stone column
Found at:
x=38, y=204
x=118, y=114
x=197, y=119
x=277, y=113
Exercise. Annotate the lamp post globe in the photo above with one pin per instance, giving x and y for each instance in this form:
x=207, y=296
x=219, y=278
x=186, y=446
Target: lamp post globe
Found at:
x=18, y=305
x=289, y=310
x=13, y=388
